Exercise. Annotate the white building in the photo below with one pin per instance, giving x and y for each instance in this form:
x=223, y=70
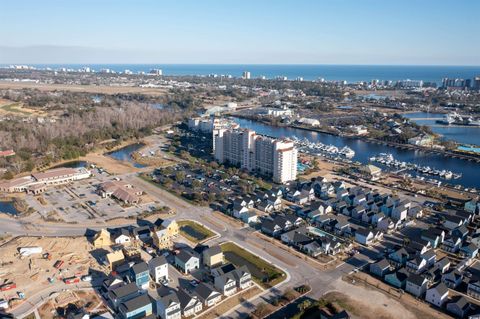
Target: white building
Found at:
x=246, y=75
x=158, y=269
x=256, y=153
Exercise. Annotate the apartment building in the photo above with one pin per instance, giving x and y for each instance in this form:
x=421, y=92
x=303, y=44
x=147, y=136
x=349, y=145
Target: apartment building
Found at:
x=264, y=155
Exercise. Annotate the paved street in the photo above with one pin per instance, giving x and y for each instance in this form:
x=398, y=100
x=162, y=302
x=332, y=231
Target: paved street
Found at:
x=298, y=270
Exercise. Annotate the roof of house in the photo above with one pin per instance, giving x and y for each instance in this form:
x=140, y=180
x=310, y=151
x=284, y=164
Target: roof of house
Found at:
x=184, y=297
x=184, y=255
x=416, y=279
x=213, y=250
x=203, y=290
x=140, y=267
x=382, y=264
x=170, y=298
x=157, y=261
x=124, y=290
x=441, y=288
x=135, y=303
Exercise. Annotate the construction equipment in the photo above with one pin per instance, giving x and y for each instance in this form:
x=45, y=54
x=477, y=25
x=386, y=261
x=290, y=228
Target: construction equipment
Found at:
x=8, y=286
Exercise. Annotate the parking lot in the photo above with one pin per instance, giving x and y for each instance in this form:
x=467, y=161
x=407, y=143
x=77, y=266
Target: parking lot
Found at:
x=79, y=202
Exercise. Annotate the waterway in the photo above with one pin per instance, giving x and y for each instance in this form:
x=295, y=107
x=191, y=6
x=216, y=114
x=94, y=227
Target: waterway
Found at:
x=72, y=164
x=125, y=154
x=364, y=150
x=8, y=208
x=460, y=134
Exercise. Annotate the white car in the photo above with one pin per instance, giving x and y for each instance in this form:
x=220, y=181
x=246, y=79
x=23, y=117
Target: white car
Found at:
x=87, y=278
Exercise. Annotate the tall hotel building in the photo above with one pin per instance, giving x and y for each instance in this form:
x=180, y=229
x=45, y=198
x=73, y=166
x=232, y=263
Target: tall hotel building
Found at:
x=255, y=153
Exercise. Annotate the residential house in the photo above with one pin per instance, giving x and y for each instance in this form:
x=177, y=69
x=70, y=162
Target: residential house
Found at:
x=415, y=212
x=138, y=307
x=187, y=261
x=168, y=306
x=101, y=239
x=249, y=217
x=140, y=274
x=452, y=221
x=212, y=256
x=434, y=235
x=112, y=282
x=114, y=259
x=472, y=206
x=399, y=213
x=271, y=228
x=123, y=293
x=377, y=217
x=364, y=236
x=437, y=295
x=416, y=265
x=459, y=307
x=416, y=285
x=239, y=209
x=430, y=256
x=452, y=244
x=313, y=249
x=122, y=237
x=168, y=230
x=296, y=237
x=207, y=295
x=398, y=278
x=460, y=232
x=189, y=304
x=142, y=233
x=226, y=283
x=452, y=279
x=469, y=250
x=380, y=268
x=158, y=269
x=443, y=264
x=399, y=257
x=473, y=288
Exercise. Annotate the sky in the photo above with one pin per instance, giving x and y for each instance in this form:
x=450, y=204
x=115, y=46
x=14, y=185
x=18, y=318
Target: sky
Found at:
x=410, y=32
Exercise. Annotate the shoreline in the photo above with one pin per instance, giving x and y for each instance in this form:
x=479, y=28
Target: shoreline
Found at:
x=452, y=154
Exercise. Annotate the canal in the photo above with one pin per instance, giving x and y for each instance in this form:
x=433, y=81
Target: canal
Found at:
x=364, y=150
x=460, y=134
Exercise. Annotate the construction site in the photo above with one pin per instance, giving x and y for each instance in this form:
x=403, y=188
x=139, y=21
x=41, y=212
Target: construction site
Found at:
x=40, y=267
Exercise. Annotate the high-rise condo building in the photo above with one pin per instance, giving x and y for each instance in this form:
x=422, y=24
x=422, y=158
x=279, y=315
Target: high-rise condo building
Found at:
x=255, y=153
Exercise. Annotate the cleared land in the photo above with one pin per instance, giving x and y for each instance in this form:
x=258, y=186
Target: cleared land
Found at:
x=264, y=273
x=194, y=232
x=83, y=88
x=31, y=273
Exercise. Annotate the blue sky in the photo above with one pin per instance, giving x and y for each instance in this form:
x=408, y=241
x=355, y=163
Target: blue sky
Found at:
x=242, y=31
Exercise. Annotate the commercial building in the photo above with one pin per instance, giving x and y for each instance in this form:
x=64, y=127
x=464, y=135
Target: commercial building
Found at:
x=246, y=75
x=264, y=155
x=37, y=182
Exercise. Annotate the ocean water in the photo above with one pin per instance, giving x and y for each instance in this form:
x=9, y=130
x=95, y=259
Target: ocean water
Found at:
x=349, y=73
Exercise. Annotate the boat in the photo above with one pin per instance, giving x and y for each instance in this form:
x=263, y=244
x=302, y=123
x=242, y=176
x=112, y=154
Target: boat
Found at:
x=347, y=152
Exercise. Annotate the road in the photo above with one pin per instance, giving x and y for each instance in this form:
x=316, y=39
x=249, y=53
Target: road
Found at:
x=299, y=271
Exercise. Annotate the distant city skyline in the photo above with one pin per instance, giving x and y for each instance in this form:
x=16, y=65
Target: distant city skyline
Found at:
x=350, y=32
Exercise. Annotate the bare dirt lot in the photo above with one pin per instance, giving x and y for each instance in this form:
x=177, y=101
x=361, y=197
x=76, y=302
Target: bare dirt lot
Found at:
x=31, y=273
x=83, y=88
x=386, y=305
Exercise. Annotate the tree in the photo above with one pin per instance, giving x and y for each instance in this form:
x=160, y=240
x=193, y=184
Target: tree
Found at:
x=304, y=305
x=180, y=176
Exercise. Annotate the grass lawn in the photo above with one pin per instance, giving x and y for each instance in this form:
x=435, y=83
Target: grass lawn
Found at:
x=264, y=273
x=13, y=108
x=193, y=231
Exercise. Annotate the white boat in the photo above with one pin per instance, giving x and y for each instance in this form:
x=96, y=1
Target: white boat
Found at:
x=347, y=152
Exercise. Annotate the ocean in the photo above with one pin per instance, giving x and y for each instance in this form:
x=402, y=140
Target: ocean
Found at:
x=349, y=73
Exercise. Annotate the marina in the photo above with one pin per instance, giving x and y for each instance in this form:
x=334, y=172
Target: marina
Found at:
x=467, y=171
